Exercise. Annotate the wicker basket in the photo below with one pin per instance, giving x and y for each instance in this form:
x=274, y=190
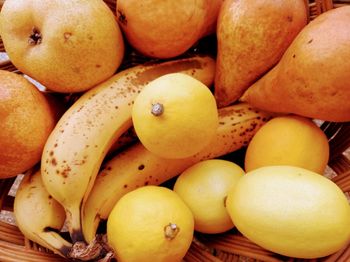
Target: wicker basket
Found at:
x=230, y=246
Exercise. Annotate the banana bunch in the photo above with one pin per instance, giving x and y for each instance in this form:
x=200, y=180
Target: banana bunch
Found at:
x=75, y=188
x=85, y=133
x=39, y=216
x=136, y=166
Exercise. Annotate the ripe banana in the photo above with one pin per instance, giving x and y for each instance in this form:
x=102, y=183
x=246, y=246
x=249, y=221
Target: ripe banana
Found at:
x=135, y=166
x=38, y=216
x=78, y=144
x=126, y=139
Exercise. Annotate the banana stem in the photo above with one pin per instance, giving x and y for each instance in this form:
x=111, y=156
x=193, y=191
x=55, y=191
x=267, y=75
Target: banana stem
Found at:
x=56, y=243
x=97, y=248
x=74, y=224
x=90, y=225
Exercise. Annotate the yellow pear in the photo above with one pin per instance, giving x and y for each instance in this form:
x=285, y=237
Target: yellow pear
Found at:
x=313, y=77
x=66, y=45
x=166, y=28
x=252, y=37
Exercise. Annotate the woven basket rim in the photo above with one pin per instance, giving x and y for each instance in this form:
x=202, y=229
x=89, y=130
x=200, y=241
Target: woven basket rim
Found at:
x=229, y=246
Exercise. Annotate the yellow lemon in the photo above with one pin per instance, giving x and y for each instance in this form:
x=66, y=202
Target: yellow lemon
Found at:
x=204, y=187
x=291, y=211
x=288, y=140
x=175, y=116
x=150, y=224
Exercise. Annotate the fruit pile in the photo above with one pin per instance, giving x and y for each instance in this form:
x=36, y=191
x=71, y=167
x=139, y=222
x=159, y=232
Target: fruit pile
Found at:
x=142, y=147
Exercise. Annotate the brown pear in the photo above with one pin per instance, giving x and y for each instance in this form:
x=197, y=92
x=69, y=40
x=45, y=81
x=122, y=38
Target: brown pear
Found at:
x=313, y=77
x=27, y=118
x=212, y=16
x=166, y=28
x=252, y=36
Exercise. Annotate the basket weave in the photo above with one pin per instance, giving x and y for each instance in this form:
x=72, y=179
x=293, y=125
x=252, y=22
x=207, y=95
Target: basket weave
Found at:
x=230, y=246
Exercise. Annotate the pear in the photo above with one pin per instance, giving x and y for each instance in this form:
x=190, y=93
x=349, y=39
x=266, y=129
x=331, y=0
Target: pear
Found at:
x=313, y=77
x=252, y=36
x=166, y=28
x=65, y=45
x=210, y=24
x=27, y=118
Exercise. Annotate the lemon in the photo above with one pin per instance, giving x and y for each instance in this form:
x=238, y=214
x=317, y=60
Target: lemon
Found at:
x=152, y=224
x=175, y=116
x=204, y=187
x=291, y=211
x=288, y=140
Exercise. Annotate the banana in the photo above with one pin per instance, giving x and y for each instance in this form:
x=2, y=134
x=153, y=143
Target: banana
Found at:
x=78, y=144
x=136, y=167
x=126, y=139
x=38, y=216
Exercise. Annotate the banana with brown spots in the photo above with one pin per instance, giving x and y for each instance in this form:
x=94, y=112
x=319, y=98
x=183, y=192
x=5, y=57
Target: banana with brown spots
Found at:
x=136, y=167
x=38, y=216
x=77, y=146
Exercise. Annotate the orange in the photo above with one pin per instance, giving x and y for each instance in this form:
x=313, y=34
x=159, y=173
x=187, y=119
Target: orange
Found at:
x=26, y=120
x=204, y=187
x=150, y=224
x=288, y=140
x=175, y=116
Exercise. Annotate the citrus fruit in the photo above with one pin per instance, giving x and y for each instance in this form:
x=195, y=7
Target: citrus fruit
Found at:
x=204, y=187
x=175, y=116
x=151, y=223
x=26, y=120
x=291, y=211
x=288, y=140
